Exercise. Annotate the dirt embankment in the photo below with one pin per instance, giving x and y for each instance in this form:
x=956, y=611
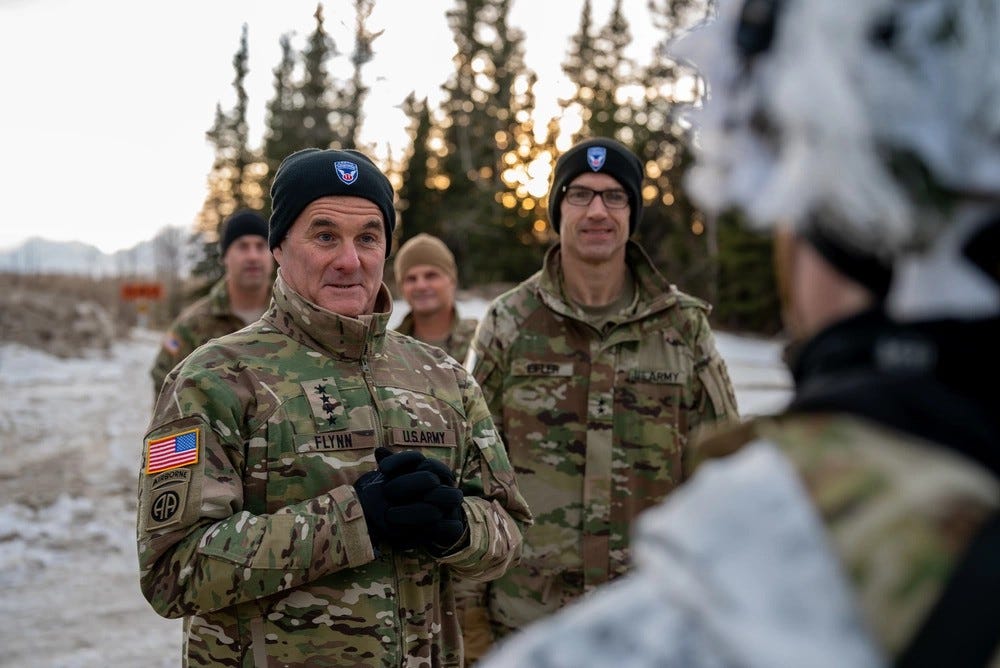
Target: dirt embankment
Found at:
x=63, y=315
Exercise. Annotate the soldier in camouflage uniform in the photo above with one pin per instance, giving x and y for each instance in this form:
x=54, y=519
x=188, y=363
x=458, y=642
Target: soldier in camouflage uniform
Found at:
x=596, y=371
x=427, y=278
x=860, y=526
x=237, y=299
x=268, y=517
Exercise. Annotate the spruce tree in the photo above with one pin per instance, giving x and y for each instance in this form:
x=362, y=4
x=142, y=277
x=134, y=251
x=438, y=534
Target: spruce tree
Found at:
x=280, y=134
x=311, y=116
x=419, y=200
x=349, y=116
x=233, y=181
x=479, y=126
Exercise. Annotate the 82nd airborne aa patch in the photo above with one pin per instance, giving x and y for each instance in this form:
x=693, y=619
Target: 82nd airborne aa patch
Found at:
x=173, y=451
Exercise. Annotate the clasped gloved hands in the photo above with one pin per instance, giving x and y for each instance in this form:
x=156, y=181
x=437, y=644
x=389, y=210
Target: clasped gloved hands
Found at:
x=411, y=501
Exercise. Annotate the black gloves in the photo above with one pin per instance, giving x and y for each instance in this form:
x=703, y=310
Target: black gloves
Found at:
x=411, y=501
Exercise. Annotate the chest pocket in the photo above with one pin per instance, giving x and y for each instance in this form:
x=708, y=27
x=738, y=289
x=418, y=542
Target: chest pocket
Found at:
x=544, y=403
x=325, y=437
x=537, y=388
x=652, y=415
x=423, y=413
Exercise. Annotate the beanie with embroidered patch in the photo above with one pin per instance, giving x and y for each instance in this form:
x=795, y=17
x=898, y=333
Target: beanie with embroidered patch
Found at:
x=601, y=156
x=240, y=224
x=424, y=249
x=311, y=173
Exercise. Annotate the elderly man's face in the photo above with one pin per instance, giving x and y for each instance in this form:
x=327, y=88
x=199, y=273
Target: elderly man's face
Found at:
x=334, y=254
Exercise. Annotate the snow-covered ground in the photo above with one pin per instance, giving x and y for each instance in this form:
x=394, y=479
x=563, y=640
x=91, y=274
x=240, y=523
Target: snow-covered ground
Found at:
x=70, y=449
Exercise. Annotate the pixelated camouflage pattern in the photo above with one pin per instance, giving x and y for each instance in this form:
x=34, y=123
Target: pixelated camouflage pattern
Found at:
x=208, y=318
x=595, y=424
x=262, y=545
x=459, y=338
x=899, y=511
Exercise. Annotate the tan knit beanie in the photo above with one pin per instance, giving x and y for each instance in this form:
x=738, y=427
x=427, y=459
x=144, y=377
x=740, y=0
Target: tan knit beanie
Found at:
x=424, y=249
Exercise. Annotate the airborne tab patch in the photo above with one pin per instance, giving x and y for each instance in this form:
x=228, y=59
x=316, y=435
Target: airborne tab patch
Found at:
x=173, y=451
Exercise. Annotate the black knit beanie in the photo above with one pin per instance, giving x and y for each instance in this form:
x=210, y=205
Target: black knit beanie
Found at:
x=603, y=156
x=312, y=173
x=240, y=224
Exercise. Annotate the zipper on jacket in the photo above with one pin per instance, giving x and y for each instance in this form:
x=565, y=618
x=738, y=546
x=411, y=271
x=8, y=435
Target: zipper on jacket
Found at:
x=397, y=620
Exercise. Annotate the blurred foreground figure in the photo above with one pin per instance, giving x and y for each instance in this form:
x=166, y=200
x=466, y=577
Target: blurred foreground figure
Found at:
x=859, y=527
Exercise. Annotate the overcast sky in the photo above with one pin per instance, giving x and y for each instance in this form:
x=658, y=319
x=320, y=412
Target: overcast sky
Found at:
x=106, y=102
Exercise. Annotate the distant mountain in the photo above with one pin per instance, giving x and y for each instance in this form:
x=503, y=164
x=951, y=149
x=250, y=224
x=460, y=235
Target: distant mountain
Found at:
x=41, y=256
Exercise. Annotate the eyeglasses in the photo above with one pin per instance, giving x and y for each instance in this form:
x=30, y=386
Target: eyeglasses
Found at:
x=580, y=196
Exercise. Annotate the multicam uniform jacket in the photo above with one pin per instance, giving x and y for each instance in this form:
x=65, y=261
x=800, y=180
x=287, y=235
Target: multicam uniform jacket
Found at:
x=248, y=523
x=595, y=423
x=462, y=331
x=205, y=319
x=897, y=453
x=899, y=511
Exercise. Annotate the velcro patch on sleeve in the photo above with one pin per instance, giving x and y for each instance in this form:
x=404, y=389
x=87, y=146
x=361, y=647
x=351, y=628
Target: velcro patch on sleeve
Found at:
x=171, y=344
x=173, y=451
x=167, y=498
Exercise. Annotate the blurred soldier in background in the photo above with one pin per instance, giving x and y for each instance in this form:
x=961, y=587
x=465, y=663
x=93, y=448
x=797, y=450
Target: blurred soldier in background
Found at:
x=272, y=517
x=860, y=526
x=240, y=297
x=597, y=372
x=427, y=278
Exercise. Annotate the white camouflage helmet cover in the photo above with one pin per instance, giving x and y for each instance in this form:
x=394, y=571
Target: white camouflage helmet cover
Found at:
x=884, y=115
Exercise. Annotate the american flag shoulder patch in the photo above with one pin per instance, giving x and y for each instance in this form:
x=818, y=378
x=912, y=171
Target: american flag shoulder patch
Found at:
x=171, y=343
x=173, y=451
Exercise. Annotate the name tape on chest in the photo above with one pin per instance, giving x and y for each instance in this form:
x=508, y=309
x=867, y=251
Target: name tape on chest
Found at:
x=423, y=438
x=541, y=368
x=655, y=377
x=333, y=441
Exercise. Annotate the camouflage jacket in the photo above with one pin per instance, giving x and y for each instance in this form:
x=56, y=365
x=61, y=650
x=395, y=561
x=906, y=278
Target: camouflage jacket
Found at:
x=893, y=431
x=462, y=330
x=899, y=511
x=248, y=522
x=739, y=568
x=595, y=423
x=205, y=319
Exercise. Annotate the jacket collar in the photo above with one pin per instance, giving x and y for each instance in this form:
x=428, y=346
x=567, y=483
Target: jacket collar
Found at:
x=341, y=336
x=655, y=293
